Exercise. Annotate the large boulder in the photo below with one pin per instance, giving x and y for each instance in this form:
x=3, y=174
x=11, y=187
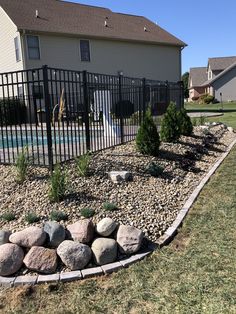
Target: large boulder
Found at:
x=81, y=231
x=106, y=226
x=129, y=239
x=31, y=236
x=41, y=260
x=11, y=259
x=4, y=236
x=74, y=255
x=104, y=251
x=55, y=233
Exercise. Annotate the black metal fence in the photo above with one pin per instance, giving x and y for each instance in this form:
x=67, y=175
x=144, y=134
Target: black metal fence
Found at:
x=56, y=115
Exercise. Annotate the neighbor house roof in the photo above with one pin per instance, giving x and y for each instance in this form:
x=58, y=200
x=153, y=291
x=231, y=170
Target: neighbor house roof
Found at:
x=83, y=20
x=197, y=76
x=221, y=63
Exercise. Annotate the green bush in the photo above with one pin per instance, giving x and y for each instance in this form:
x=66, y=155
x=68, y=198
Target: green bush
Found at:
x=82, y=164
x=31, y=218
x=202, y=120
x=154, y=169
x=57, y=185
x=21, y=167
x=87, y=212
x=12, y=111
x=58, y=215
x=8, y=216
x=186, y=127
x=206, y=99
x=110, y=206
x=170, y=128
x=147, y=139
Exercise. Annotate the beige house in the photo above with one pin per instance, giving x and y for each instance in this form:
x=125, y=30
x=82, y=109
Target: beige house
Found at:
x=80, y=37
x=218, y=79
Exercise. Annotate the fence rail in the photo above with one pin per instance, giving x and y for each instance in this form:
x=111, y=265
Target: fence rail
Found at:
x=56, y=115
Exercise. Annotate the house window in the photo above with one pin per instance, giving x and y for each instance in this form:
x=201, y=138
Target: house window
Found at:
x=84, y=50
x=209, y=75
x=33, y=47
x=17, y=49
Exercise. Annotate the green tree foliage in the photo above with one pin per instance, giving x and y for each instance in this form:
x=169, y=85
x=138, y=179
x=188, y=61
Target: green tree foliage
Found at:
x=147, y=139
x=186, y=127
x=170, y=128
x=185, y=78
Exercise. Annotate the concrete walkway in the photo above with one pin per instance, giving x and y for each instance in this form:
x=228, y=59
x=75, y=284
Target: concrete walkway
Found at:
x=204, y=114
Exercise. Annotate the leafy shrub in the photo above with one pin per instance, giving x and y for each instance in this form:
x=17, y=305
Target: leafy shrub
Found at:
x=31, y=218
x=206, y=99
x=82, y=164
x=135, y=118
x=154, y=169
x=170, y=128
x=186, y=127
x=110, y=206
x=147, y=139
x=21, y=167
x=202, y=120
x=8, y=216
x=12, y=111
x=58, y=215
x=57, y=184
x=194, y=121
x=87, y=212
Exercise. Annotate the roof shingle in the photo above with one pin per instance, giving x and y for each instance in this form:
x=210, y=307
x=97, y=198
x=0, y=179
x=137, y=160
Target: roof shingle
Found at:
x=82, y=20
x=221, y=63
x=198, y=76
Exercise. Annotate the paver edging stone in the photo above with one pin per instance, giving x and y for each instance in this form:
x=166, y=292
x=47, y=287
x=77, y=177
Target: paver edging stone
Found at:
x=109, y=268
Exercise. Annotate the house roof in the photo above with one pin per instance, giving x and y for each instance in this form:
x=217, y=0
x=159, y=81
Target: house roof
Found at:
x=75, y=19
x=233, y=65
x=221, y=63
x=198, y=76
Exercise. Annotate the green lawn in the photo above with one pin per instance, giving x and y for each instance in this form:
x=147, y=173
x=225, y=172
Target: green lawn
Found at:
x=195, y=274
x=229, y=112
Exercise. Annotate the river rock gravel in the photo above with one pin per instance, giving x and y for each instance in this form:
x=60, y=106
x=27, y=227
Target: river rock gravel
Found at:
x=147, y=203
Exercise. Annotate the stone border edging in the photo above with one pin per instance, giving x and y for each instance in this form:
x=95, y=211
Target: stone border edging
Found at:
x=109, y=268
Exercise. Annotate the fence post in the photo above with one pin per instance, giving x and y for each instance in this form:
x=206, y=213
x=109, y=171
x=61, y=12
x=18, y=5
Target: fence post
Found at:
x=121, y=109
x=144, y=96
x=181, y=87
x=48, y=116
x=167, y=93
x=86, y=110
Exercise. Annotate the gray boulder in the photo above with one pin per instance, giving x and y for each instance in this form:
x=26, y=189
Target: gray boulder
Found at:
x=31, y=236
x=74, y=255
x=129, y=239
x=119, y=176
x=4, y=236
x=55, y=233
x=81, y=231
x=104, y=251
x=41, y=260
x=11, y=259
x=106, y=226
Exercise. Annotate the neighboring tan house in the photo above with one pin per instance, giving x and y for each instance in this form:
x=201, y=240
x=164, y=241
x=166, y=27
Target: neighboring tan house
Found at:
x=217, y=79
x=81, y=37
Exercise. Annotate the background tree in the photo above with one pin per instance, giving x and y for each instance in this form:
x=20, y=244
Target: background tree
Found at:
x=185, y=78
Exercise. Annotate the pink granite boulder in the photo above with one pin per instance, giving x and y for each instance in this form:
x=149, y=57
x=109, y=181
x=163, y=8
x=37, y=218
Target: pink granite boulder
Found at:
x=31, y=236
x=81, y=231
x=11, y=259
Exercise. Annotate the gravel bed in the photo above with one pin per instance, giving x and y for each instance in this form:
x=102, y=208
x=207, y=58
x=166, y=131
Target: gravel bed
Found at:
x=147, y=202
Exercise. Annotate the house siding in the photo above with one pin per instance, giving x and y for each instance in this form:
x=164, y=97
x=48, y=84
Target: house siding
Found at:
x=8, y=31
x=158, y=62
x=226, y=85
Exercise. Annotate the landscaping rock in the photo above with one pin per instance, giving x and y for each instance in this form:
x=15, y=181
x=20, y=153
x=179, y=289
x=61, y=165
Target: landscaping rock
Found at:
x=4, y=236
x=55, y=233
x=31, y=236
x=129, y=239
x=41, y=260
x=81, y=231
x=104, y=251
x=74, y=255
x=106, y=226
x=118, y=176
x=230, y=129
x=11, y=259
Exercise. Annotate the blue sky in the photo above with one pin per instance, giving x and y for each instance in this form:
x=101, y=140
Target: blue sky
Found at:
x=207, y=26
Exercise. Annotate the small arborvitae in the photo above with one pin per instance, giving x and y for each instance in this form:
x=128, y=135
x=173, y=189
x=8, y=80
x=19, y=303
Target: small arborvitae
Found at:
x=186, y=127
x=170, y=128
x=147, y=139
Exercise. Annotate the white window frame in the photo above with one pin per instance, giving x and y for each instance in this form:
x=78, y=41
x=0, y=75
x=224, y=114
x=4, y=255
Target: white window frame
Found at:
x=89, y=50
x=17, y=48
x=209, y=75
x=29, y=48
